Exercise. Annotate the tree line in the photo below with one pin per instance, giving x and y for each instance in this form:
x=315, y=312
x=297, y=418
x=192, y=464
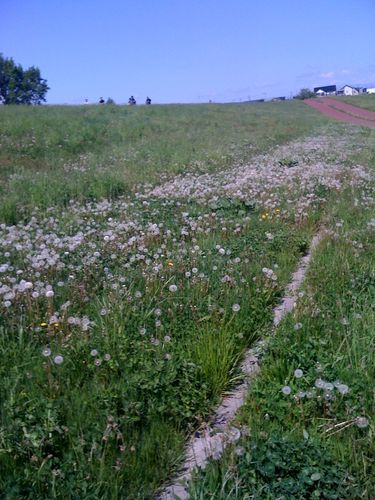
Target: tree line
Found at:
x=21, y=86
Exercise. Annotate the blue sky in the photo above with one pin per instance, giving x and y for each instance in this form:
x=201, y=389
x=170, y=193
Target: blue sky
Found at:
x=189, y=50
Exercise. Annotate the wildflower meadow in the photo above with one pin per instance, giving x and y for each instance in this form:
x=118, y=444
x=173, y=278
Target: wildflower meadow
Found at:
x=142, y=251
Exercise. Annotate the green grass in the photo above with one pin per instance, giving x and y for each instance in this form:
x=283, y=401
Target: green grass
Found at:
x=144, y=287
x=51, y=155
x=310, y=446
x=80, y=415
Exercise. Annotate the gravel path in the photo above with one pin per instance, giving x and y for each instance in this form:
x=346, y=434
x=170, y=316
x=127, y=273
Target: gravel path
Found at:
x=342, y=111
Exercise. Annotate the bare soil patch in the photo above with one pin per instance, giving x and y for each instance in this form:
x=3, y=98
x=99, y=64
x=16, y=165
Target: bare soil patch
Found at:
x=343, y=112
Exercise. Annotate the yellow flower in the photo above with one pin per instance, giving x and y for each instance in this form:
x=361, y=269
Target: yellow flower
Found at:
x=43, y=324
x=170, y=264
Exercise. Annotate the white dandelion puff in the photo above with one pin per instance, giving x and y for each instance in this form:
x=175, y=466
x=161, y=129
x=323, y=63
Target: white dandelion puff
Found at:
x=361, y=422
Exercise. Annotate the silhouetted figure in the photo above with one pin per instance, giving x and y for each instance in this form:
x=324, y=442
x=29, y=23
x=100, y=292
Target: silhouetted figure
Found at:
x=101, y=100
x=132, y=101
x=148, y=101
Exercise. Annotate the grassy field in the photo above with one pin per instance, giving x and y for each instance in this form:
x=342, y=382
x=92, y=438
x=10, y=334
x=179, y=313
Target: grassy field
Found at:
x=95, y=152
x=366, y=101
x=141, y=252
x=307, y=426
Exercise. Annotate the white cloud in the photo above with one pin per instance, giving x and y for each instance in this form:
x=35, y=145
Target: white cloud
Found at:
x=329, y=74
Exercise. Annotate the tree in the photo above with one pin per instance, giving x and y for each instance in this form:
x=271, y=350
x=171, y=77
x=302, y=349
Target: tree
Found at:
x=19, y=86
x=305, y=94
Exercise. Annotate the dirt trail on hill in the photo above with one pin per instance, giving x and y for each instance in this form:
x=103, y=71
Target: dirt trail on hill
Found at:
x=350, y=109
x=342, y=111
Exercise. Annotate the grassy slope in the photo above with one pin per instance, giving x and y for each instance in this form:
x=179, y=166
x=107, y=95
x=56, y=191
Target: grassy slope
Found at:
x=81, y=430
x=50, y=155
x=320, y=445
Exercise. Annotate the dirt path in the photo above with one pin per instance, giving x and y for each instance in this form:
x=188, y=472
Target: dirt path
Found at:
x=342, y=111
x=350, y=109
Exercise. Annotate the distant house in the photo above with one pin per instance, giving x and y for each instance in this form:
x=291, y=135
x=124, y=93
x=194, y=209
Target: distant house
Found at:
x=371, y=90
x=325, y=90
x=349, y=90
x=282, y=98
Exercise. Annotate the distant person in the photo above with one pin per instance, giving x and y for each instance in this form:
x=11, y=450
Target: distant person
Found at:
x=101, y=100
x=148, y=101
x=86, y=101
x=132, y=101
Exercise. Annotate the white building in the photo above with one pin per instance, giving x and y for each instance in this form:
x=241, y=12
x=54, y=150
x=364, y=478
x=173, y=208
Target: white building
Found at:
x=349, y=90
x=371, y=90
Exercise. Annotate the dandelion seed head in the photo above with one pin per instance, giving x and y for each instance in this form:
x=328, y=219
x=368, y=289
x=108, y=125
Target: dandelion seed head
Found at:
x=236, y=307
x=319, y=383
x=361, y=422
x=286, y=390
x=315, y=476
x=342, y=388
x=239, y=451
x=328, y=396
x=58, y=360
x=298, y=373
